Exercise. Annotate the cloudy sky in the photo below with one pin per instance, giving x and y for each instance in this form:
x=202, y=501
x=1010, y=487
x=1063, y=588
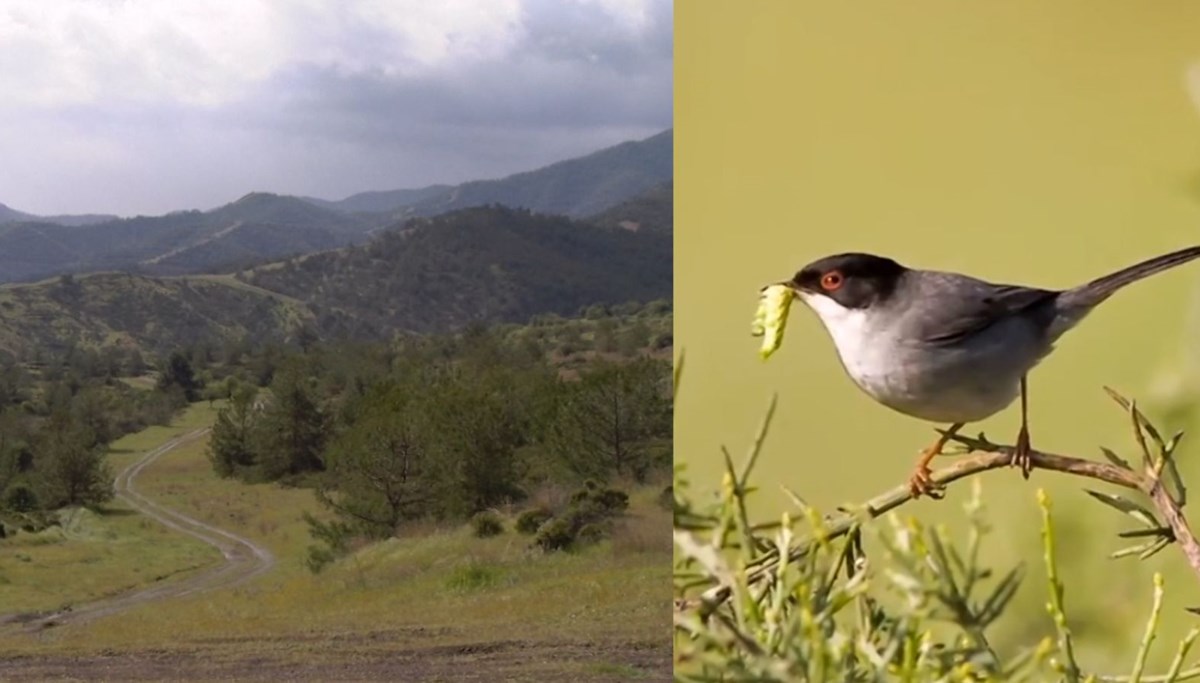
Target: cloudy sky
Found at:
x=143, y=107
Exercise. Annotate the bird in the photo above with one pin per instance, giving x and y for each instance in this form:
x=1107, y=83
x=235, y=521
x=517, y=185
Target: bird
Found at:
x=945, y=347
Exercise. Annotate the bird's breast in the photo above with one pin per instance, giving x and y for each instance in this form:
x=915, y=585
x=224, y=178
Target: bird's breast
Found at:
x=944, y=384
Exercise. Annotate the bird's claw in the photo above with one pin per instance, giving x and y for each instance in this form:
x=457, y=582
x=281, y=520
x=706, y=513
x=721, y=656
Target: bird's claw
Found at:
x=921, y=483
x=1021, y=453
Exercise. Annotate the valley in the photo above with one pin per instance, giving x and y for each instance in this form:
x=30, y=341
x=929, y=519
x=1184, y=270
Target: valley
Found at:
x=422, y=433
x=434, y=603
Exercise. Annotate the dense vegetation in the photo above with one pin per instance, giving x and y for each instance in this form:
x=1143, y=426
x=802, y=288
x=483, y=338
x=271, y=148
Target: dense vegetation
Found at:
x=446, y=428
x=57, y=418
x=142, y=315
x=254, y=228
x=484, y=264
x=652, y=210
x=424, y=427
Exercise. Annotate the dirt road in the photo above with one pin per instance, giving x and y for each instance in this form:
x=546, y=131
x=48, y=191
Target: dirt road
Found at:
x=378, y=655
x=244, y=559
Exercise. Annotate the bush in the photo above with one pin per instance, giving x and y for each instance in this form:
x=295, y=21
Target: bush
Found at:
x=529, y=521
x=20, y=498
x=590, y=534
x=487, y=524
x=852, y=597
x=556, y=534
x=587, y=520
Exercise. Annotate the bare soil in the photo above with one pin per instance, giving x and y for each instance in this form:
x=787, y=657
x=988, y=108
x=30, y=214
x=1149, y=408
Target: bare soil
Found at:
x=360, y=657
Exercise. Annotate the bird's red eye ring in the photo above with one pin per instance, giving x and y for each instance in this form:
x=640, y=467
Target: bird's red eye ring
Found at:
x=831, y=280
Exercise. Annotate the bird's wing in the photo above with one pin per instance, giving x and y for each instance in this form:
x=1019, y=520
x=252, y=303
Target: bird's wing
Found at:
x=978, y=306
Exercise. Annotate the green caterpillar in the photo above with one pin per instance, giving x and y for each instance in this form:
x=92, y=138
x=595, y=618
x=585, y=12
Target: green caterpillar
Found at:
x=771, y=317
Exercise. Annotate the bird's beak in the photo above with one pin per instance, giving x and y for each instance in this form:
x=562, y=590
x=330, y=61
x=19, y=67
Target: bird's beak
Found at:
x=796, y=291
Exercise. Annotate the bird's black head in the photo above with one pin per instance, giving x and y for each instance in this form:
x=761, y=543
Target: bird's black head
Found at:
x=853, y=280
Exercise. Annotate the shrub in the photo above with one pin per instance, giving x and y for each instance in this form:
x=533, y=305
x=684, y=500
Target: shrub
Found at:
x=20, y=498
x=556, y=534
x=530, y=520
x=487, y=524
x=586, y=520
x=590, y=534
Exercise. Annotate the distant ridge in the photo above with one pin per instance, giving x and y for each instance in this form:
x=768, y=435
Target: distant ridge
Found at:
x=11, y=215
x=576, y=187
x=262, y=226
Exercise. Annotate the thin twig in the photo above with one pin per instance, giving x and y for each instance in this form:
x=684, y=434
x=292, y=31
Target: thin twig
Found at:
x=989, y=456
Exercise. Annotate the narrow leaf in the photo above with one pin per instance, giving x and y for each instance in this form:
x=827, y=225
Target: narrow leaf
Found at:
x=1114, y=458
x=1132, y=550
x=1152, y=550
x=1125, y=505
x=1163, y=531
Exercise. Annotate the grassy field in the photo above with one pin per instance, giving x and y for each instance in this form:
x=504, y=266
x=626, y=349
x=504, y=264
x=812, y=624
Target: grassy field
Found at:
x=437, y=598
x=94, y=555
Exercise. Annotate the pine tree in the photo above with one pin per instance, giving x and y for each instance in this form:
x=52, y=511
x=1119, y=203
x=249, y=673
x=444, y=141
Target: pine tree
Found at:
x=231, y=446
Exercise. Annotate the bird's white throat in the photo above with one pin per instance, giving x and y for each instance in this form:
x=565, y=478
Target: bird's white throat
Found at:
x=848, y=327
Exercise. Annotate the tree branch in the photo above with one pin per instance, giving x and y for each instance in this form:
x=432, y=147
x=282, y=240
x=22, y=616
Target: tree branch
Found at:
x=987, y=456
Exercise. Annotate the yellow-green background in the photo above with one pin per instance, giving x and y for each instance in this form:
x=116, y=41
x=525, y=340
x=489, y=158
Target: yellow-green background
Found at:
x=1035, y=142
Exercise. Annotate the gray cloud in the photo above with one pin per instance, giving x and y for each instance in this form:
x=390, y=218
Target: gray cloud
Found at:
x=353, y=105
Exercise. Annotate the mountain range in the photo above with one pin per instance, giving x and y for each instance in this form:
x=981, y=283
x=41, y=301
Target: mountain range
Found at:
x=592, y=230
x=263, y=226
x=485, y=264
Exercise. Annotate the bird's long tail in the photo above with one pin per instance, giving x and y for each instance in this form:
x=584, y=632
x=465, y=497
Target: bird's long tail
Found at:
x=1088, y=295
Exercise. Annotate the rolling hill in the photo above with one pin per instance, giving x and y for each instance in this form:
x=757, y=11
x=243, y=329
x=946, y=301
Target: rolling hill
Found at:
x=262, y=227
x=383, y=201
x=152, y=315
x=576, y=187
x=652, y=210
x=257, y=227
x=492, y=264
x=485, y=264
x=11, y=215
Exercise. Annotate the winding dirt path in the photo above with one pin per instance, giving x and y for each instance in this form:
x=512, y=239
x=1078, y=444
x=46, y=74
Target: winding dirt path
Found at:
x=244, y=559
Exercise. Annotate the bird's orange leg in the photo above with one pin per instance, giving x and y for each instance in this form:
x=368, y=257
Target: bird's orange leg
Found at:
x=1020, y=457
x=921, y=481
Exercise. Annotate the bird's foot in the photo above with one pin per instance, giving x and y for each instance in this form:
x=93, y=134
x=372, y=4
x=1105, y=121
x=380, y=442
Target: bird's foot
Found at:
x=921, y=482
x=1020, y=456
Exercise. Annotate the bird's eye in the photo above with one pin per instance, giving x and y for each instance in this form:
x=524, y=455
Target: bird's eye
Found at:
x=831, y=280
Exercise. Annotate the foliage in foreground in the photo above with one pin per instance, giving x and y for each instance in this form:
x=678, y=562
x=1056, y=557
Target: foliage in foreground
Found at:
x=916, y=608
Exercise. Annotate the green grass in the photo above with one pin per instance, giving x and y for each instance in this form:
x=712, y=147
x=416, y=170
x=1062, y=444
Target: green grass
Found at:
x=445, y=583
x=99, y=553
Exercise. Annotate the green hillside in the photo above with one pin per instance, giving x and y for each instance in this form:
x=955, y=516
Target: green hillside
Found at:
x=149, y=314
x=487, y=264
x=484, y=264
x=652, y=210
x=262, y=227
x=257, y=227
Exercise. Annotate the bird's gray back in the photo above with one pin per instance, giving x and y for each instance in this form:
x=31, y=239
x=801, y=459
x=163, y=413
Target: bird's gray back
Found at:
x=964, y=380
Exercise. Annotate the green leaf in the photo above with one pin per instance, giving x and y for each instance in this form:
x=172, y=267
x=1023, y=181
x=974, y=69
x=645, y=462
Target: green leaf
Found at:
x=1163, y=531
x=1125, y=505
x=1158, y=545
x=994, y=606
x=1114, y=458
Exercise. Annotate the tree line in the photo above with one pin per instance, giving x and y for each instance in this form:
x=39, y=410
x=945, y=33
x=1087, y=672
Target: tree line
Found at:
x=58, y=416
x=383, y=432
x=441, y=427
